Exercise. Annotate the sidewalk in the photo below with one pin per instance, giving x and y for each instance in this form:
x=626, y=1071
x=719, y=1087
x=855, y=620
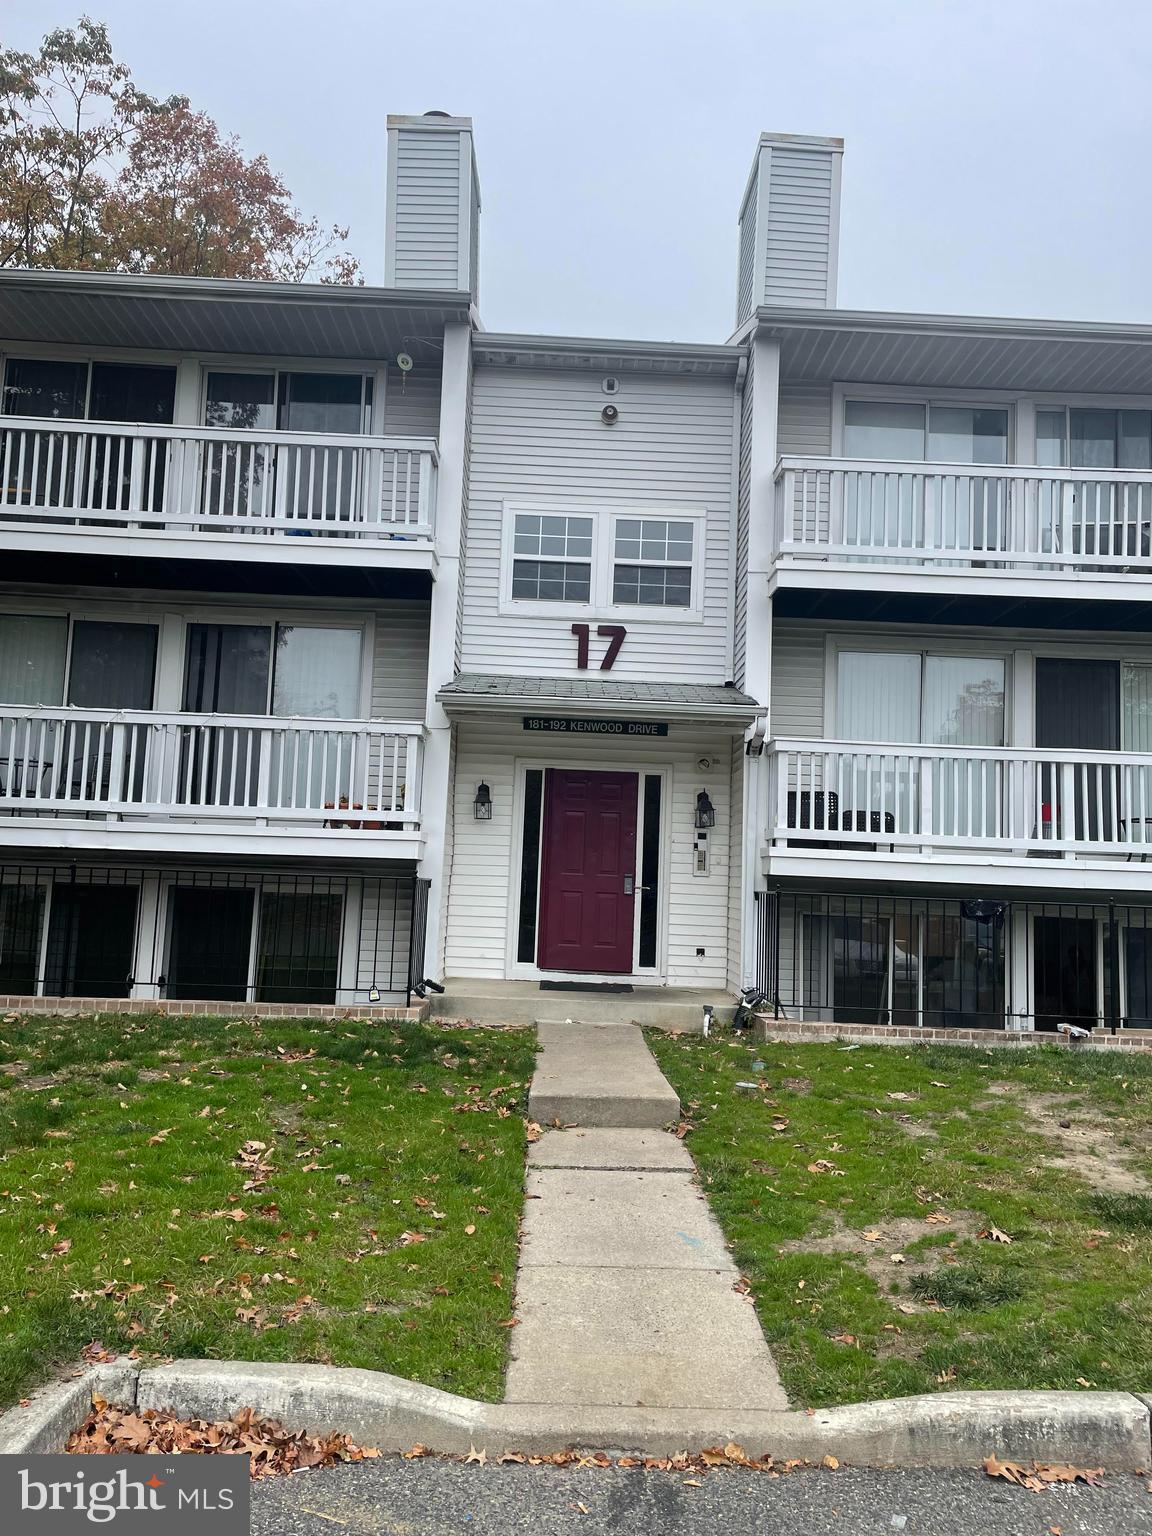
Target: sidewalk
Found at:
x=625, y=1291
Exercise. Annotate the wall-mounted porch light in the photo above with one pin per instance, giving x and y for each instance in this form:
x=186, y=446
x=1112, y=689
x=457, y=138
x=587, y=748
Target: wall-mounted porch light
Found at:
x=482, y=805
x=705, y=812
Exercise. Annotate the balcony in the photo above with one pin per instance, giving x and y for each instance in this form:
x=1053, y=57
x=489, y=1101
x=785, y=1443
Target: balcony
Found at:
x=174, y=489
x=1037, y=809
x=949, y=525
x=145, y=780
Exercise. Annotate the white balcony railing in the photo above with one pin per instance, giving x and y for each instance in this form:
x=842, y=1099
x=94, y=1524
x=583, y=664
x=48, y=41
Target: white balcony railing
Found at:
x=963, y=514
x=213, y=480
x=364, y=776
x=864, y=795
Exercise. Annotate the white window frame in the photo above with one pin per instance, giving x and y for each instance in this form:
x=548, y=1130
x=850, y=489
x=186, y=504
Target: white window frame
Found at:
x=171, y=650
x=603, y=562
x=908, y=645
x=907, y=395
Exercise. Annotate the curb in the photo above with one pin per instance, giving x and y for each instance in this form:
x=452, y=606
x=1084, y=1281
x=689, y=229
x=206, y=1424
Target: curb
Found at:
x=947, y=1429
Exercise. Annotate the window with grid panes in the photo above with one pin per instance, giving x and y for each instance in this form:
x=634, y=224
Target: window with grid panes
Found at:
x=652, y=564
x=552, y=557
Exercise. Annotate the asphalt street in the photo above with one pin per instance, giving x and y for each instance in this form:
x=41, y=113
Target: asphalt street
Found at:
x=391, y=1497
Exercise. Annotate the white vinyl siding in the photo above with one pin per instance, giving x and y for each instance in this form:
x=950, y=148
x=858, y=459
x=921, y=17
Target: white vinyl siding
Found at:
x=743, y=512
x=736, y=865
x=798, y=251
x=537, y=438
x=385, y=926
x=412, y=402
x=400, y=661
x=427, y=235
x=797, y=682
x=485, y=862
x=746, y=271
x=805, y=419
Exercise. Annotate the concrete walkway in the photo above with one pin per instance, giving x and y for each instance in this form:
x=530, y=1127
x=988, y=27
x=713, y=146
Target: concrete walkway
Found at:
x=625, y=1292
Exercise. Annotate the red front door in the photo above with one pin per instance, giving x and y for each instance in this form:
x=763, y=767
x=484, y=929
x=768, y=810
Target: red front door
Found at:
x=587, y=871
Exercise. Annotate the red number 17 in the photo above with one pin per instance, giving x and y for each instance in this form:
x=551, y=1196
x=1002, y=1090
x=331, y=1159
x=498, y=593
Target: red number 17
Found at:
x=613, y=633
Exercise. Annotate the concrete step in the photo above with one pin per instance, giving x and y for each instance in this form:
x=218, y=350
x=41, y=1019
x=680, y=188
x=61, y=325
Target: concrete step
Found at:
x=522, y=1002
x=599, y=1075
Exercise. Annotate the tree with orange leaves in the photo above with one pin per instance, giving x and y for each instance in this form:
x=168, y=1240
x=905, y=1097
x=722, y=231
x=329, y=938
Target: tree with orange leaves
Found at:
x=95, y=174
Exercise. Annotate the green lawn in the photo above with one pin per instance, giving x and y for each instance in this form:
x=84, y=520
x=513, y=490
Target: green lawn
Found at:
x=837, y=1158
x=376, y=1225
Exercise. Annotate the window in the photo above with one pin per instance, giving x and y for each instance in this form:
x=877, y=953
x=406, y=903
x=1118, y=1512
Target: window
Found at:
x=1093, y=439
x=76, y=389
x=899, y=696
x=291, y=402
x=33, y=653
x=653, y=563
x=940, y=965
x=916, y=431
x=560, y=569
x=603, y=562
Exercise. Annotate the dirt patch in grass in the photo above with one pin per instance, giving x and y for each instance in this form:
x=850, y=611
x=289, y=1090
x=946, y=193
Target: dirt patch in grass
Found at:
x=1089, y=1147
x=801, y=1086
x=874, y=1247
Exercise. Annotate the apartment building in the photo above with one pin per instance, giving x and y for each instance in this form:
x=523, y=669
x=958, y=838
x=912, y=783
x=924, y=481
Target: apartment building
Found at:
x=345, y=644
x=950, y=526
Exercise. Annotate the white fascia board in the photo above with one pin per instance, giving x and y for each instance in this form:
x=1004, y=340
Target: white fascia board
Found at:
x=174, y=842
x=582, y=346
x=731, y=717
x=240, y=289
x=403, y=555
x=824, y=576
x=777, y=317
x=975, y=873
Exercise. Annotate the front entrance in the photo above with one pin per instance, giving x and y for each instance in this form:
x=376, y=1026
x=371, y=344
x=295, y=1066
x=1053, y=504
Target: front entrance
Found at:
x=588, y=871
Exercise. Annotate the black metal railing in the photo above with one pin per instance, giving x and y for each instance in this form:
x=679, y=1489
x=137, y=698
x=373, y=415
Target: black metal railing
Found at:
x=972, y=962
x=418, y=936
x=252, y=934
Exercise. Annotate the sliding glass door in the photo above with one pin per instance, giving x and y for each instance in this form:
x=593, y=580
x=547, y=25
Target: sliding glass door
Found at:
x=210, y=943
x=59, y=468
x=969, y=510
x=47, y=660
x=1108, y=517
x=927, y=964
x=307, y=482
x=226, y=672
x=895, y=698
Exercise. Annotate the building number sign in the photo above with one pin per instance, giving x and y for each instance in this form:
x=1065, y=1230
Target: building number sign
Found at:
x=613, y=633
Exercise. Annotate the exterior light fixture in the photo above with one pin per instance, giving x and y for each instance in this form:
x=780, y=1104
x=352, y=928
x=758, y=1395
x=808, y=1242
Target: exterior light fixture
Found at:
x=482, y=805
x=373, y=994
x=705, y=813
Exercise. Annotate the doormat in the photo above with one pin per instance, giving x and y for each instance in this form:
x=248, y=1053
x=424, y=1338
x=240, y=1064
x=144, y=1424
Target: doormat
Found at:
x=613, y=988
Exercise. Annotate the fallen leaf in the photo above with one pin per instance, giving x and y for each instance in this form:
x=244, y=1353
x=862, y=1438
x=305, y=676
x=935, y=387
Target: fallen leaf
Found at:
x=479, y=1457
x=994, y=1234
x=831, y=1463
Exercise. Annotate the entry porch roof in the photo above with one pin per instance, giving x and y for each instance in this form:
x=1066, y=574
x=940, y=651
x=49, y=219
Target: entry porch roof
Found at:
x=486, y=692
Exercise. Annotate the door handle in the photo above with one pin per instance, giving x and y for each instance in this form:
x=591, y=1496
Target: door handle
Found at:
x=628, y=884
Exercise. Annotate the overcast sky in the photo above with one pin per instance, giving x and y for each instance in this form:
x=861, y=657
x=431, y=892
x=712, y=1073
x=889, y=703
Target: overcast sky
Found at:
x=997, y=151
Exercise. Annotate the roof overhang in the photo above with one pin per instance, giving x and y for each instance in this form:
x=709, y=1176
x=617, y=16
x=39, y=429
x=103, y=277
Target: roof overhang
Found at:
x=223, y=316
x=959, y=351
x=574, y=699
x=606, y=356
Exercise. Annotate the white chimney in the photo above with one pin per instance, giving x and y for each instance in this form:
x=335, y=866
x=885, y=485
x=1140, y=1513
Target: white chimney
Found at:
x=432, y=237
x=790, y=224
